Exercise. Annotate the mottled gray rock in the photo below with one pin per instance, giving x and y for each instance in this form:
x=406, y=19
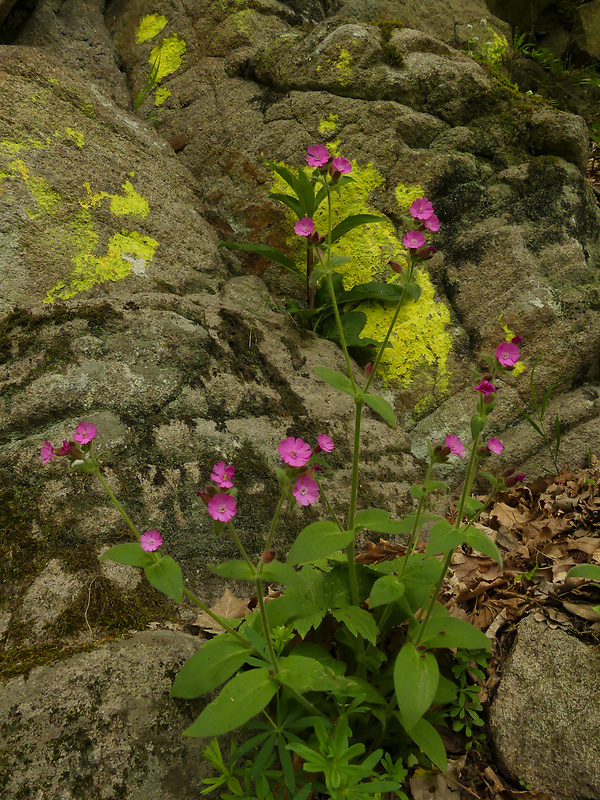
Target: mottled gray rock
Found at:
x=586, y=29
x=545, y=718
x=101, y=725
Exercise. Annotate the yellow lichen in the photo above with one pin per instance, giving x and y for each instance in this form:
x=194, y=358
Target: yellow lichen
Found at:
x=406, y=195
x=91, y=269
x=76, y=136
x=130, y=202
x=150, y=26
x=45, y=197
x=328, y=126
x=344, y=64
x=161, y=95
x=170, y=54
x=420, y=345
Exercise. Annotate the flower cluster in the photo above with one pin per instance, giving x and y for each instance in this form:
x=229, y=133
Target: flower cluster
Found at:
x=423, y=211
x=297, y=454
x=318, y=156
x=85, y=432
x=221, y=503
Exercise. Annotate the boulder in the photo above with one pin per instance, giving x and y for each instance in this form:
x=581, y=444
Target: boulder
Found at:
x=100, y=724
x=545, y=718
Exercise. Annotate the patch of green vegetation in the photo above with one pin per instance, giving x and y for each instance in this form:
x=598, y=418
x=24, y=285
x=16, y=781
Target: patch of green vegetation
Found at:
x=101, y=604
x=21, y=660
x=392, y=56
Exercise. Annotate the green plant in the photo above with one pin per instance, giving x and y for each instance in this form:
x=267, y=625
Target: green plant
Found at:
x=341, y=669
x=552, y=442
x=151, y=82
x=466, y=709
x=488, y=47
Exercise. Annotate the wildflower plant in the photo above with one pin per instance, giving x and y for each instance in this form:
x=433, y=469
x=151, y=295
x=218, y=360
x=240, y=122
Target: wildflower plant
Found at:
x=341, y=673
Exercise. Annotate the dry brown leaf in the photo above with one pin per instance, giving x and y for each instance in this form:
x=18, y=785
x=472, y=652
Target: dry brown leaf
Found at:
x=434, y=787
x=227, y=606
x=583, y=611
x=587, y=544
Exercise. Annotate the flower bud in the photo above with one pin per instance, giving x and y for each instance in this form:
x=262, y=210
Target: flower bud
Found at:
x=268, y=556
x=369, y=370
x=425, y=253
x=508, y=472
x=395, y=266
x=512, y=481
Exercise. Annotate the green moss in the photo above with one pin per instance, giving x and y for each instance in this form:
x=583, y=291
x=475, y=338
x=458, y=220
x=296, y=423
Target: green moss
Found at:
x=392, y=56
x=150, y=26
x=101, y=604
x=170, y=52
x=21, y=660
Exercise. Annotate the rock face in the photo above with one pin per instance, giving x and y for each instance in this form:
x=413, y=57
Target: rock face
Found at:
x=101, y=725
x=117, y=306
x=545, y=719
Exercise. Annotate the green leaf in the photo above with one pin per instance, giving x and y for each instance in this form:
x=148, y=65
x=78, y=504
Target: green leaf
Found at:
x=414, y=291
x=478, y=540
x=242, y=698
x=477, y=425
x=166, y=577
x=386, y=589
x=590, y=571
x=472, y=507
x=416, y=675
x=290, y=202
x=212, y=665
x=436, y=486
x=318, y=540
x=334, y=378
x=443, y=538
x=234, y=568
x=446, y=692
x=373, y=290
x=353, y=222
x=381, y=406
x=284, y=173
x=305, y=674
x=280, y=573
x=268, y=252
x=425, y=736
x=358, y=621
x=352, y=323
x=130, y=553
x=453, y=632
x=378, y=520
x=416, y=491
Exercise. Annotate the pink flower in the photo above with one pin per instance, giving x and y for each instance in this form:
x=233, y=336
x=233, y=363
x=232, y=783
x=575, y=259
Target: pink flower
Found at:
x=507, y=354
x=422, y=208
x=222, y=507
x=454, y=443
x=414, y=240
x=294, y=452
x=517, y=339
x=47, y=452
x=325, y=442
x=342, y=165
x=151, y=540
x=306, y=491
x=432, y=223
x=65, y=448
x=485, y=387
x=223, y=475
x=85, y=432
x=514, y=479
x=304, y=226
x=495, y=446
x=317, y=155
